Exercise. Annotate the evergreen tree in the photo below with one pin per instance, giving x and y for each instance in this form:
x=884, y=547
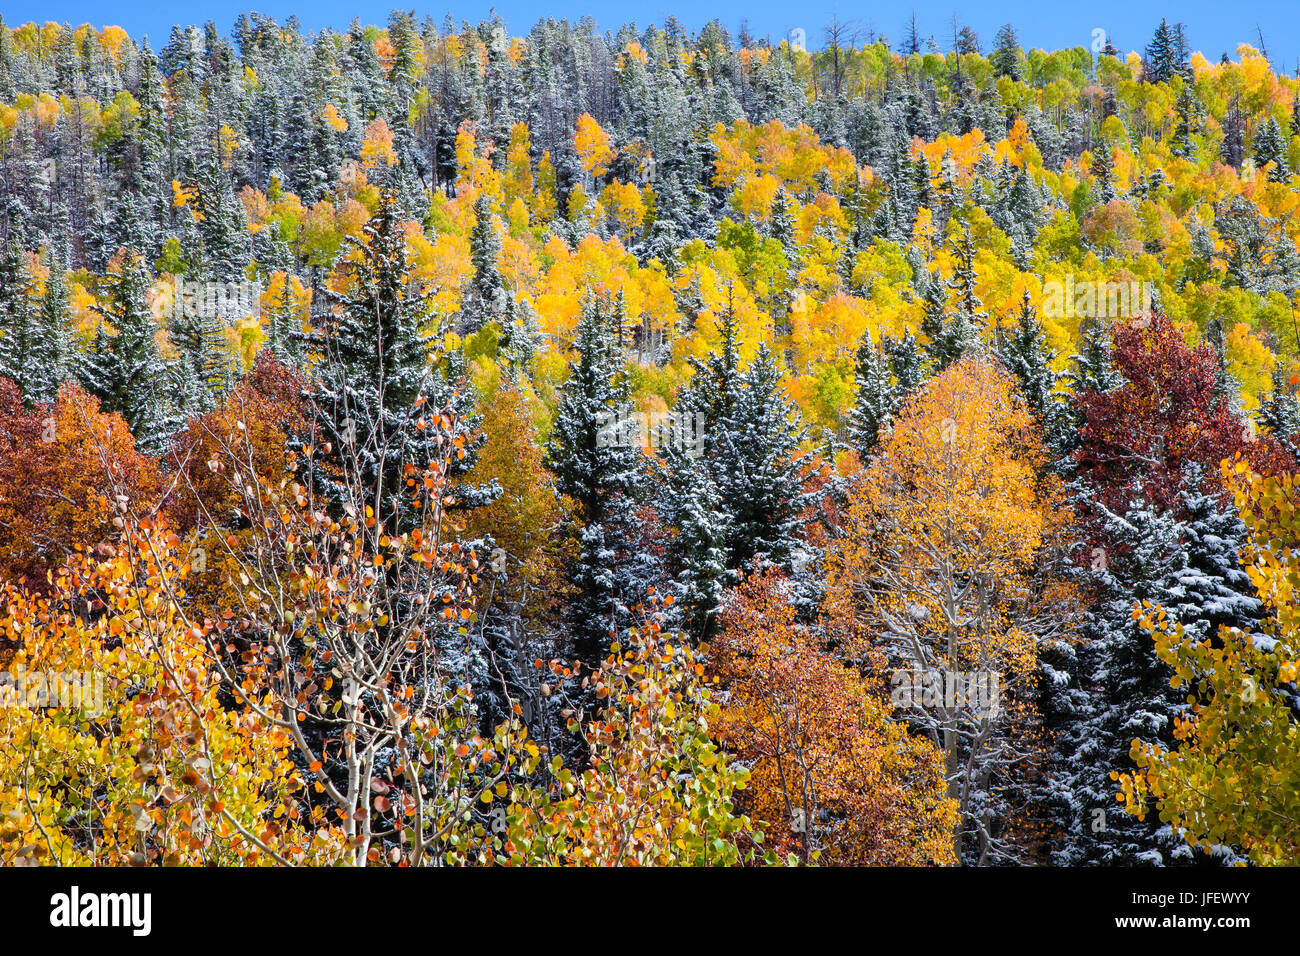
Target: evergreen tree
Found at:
x=751, y=435
x=963, y=323
x=1005, y=58
x=373, y=386
x=1026, y=354
x=52, y=348
x=18, y=323
x=907, y=364
x=877, y=397
x=1272, y=147
x=597, y=464
x=1279, y=412
x=485, y=299
x=128, y=372
x=1103, y=171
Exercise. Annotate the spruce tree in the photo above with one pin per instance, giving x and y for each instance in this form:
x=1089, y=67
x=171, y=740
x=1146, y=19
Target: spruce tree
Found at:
x=1270, y=146
x=373, y=387
x=750, y=442
x=964, y=322
x=1005, y=58
x=877, y=397
x=485, y=299
x=52, y=349
x=907, y=364
x=596, y=463
x=128, y=372
x=18, y=321
x=1026, y=354
x=1103, y=171
x=1279, y=412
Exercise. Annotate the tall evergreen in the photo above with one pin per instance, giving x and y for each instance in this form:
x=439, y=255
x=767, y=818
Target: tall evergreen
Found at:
x=373, y=387
x=1279, y=411
x=1270, y=146
x=876, y=400
x=597, y=465
x=1026, y=354
x=129, y=373
x=750, y=441
x=964, y=320
x=1005, y=58
x=485, y=299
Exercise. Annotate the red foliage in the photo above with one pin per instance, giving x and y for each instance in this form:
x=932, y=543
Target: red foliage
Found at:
x=1135, y=439
x=254, y=422
x=62, y=467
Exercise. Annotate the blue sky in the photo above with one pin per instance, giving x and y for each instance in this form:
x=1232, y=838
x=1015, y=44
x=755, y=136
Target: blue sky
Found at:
x=1214, y=26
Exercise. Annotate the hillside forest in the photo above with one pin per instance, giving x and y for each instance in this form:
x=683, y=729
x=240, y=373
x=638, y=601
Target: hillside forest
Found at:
x=427, y=444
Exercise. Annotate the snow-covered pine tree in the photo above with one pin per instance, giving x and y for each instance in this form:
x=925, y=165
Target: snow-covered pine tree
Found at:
x=128, y=372
x=697, y=555
x=52, y=347
x=1118, y=690
x=485, y=298
x=876, y=400
x=372, y=380
x=597, y=464
x=18, y=321
x=1103, y=171
x=907, y=364
x=1279, y=411
x=750, y=441
x=1026, y=354
x=965, y=321
x=1271, y=147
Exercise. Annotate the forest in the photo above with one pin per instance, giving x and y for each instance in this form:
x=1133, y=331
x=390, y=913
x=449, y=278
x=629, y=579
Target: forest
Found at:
x=428, y=444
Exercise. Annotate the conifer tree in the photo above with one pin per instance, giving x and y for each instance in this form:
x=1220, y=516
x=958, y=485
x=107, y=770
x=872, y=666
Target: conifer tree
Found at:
x=1271, y=147
x=1279, y=411
x=373, y=385
x=486, y=298
x=596, y=463
x=964, y=322
x=906, y=362
x=128, y=373
x=1005, y=58
x=1026, y=354
x=877, y=397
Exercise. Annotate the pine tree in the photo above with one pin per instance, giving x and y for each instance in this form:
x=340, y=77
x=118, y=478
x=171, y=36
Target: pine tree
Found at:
x=1279, y=412
x=1118, y=689
x=1161, y=61
x=1270, y=146
x=1092, y=366
x=1026, y=354
x=18, y=323
x=1103, y=171
x=1190, y=115
x=128, y=372
x=751, y=437
x=962, y=324
x=485, y=299
x=52, y=349
x=1005, y=58
x=698, y=553
x=597, y=465
x=877, y=397
x=373, y=386
x=906, y=362
x=224, y=226
x=1226, y=386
